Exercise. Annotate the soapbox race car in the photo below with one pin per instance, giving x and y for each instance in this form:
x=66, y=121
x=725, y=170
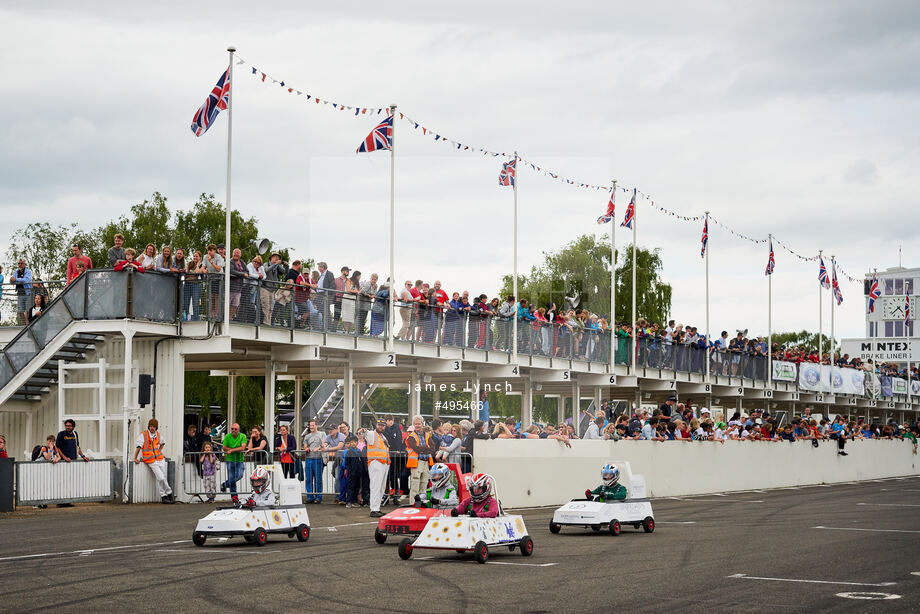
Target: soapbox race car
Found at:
x=475, y=534
x=635, y=510
x=255, y=523
x=410, y=521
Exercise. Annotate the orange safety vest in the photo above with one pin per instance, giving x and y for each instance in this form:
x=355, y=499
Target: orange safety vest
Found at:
x=380, y=451
x=412, y=456
x=151, y=451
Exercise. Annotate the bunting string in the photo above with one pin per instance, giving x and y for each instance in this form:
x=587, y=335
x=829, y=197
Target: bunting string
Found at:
x=440, y=138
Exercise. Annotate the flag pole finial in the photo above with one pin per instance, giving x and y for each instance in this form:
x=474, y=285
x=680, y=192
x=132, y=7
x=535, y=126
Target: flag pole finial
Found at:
x=231, y=49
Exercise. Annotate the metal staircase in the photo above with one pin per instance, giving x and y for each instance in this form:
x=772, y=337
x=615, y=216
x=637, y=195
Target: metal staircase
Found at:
x=40, y=382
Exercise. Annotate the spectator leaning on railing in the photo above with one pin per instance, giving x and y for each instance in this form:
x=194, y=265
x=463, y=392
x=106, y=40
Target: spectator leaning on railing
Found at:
x=68, y=442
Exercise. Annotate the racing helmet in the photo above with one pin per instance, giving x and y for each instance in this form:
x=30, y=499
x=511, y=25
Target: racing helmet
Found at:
x=610, y=474
x=480, y=486
x=259, y=479
x=439, y=475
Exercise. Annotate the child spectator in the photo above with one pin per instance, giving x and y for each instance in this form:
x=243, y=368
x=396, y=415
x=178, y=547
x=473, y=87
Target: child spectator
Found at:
x=352, y=465
x=49, y=451
x=209, y=466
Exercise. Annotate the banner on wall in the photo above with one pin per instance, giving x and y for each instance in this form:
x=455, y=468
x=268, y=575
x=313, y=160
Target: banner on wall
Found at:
x=835, y=380
x=873, y=385
x=914, y=388
x=784, y=371
x=884, y=350
x=898, y=385
x=810, y=377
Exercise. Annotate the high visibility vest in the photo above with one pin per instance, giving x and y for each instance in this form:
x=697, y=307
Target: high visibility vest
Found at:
x=412, y=456
x=151, y=451
x=380, y=451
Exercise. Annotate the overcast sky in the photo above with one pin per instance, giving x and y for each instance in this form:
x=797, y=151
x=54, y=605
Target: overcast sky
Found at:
x=797, y=118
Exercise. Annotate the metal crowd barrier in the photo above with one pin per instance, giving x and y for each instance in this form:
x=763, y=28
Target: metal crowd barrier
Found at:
x=322, y=474
x=45, y=483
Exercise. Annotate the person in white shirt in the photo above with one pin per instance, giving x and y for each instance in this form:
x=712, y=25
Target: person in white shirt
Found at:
x=149, y=257
x=264, y=297
x=594, y=429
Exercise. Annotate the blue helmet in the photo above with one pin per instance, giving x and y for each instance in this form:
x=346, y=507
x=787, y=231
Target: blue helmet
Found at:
x=610, y=474
x=439, y=475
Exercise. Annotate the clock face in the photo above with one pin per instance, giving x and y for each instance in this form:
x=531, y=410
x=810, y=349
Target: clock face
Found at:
x=893, y=307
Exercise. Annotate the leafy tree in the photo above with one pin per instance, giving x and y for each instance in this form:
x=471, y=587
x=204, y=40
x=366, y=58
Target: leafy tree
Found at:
x=804, y=339
x=582, y=269
x=202, y=389
x=46, y=248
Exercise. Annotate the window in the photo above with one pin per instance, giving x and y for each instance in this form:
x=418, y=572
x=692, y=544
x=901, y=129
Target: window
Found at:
x=889, y=286
x=899, y=286
x=889, y=329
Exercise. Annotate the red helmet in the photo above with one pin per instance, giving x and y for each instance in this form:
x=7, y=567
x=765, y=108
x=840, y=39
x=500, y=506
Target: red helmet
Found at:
x=480, y=486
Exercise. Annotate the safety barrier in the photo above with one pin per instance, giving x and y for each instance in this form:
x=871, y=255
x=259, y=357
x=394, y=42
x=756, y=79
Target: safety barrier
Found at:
x=535, y=472
x=44, y=483
x=142, y=486
x=322, y=473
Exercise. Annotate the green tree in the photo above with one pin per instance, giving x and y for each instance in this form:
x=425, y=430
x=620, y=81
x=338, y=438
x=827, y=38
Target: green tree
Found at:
x=46, y=248
x=805, y=340
x=582, y=269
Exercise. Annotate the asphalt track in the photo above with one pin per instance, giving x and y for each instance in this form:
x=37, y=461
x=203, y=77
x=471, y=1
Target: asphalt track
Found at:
x=753, y=552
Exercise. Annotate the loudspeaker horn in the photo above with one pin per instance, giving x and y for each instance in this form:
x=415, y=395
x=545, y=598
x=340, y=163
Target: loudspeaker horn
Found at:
x=261, y=246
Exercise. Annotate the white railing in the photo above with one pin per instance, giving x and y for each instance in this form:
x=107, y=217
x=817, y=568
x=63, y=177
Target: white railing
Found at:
x=43, y=483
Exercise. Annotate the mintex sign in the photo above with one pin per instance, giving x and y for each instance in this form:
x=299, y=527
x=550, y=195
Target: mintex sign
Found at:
x=884, y=350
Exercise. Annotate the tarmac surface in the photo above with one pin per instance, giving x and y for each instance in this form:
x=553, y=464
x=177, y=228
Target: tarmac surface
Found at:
x=846, y=548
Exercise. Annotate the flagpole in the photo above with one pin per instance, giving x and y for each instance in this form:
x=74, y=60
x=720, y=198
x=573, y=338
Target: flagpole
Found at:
x=875, y=326
x=514, y=291
x=635, y=349
x=613, y=280
x=391, y=336
x=229, y=249
x=708, y=334
x=833, y=301
x=906, y=334
x=820, y=310
x=770, y=322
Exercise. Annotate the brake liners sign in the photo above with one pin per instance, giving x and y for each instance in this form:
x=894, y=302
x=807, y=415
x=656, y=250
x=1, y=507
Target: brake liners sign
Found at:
x=885, y=350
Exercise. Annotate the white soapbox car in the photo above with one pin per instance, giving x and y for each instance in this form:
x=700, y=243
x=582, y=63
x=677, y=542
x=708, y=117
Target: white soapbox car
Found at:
x=255, y=523
x=635, y=510
x=471, y=534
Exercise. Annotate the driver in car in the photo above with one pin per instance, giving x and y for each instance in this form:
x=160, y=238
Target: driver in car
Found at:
x=480, y=503
x=611, y=489
x=442, y=493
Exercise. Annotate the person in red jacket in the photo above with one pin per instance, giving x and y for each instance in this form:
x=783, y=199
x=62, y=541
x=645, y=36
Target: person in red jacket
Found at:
x=481, y=503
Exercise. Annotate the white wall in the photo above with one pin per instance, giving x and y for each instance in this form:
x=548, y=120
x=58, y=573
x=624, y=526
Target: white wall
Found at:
x=535, y=472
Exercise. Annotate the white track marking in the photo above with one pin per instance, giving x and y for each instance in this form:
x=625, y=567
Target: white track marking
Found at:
x=87, y=552
x=676, y=521
x=892, y=504
x=871, y=530
x=869, y=596
x=899, y=490
x=440, y=560
x=915, y=573
x=747, y=577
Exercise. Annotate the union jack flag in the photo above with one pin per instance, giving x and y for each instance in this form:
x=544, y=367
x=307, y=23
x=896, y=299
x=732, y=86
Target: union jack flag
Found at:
x=630, y=211
x=838, y=295
x=217, y=101
x=771, y=263
x=823, y=279
x=381, y=137
x=508, y=173
x=874, y=293
x=705, y=238
x=611, y=206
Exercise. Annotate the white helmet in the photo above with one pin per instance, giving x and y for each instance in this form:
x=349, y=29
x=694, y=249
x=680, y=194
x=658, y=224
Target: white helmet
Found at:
x=439, y=475
x=480, y=486
x=610, y=473
x=259, y=479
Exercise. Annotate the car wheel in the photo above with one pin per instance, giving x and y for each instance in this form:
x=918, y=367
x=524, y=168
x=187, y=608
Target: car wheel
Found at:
x=199, y=538
x=482, y=552
x=380, y=537
x=259, y=536
x=526, y=545
x=614, y=527
x=554, y=527
x=648, y=524
x=405, y=549
x=303, y=532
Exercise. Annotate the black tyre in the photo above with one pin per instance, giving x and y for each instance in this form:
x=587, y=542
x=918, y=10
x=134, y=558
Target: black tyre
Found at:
x=259, y=536
x=615, y=527
x=554, y=527
x=303, y=532
x=511, y=547
x=199, y=538
x=648, y=524
x=380, y=537
x=526, y=545
x=482, y=552
x=405, y=549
